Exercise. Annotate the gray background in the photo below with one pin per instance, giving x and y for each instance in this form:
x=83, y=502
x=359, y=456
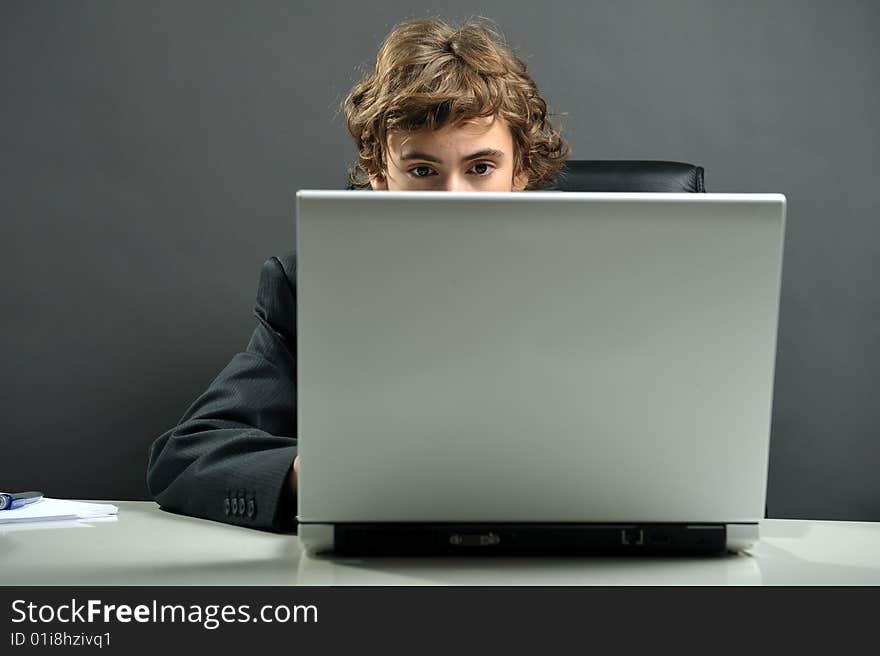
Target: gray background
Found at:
x=149, y=153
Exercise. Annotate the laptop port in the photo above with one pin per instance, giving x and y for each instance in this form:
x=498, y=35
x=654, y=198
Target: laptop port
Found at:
x=632, y=537
x=474, y=540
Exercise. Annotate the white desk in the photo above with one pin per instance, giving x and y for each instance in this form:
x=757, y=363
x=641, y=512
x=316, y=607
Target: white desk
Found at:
x=146, y=546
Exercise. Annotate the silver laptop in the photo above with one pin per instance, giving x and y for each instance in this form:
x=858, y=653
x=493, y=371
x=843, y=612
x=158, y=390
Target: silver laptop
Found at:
x=535, y=372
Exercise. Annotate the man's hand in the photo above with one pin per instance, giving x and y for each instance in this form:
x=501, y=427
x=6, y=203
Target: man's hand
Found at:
x=294, y=475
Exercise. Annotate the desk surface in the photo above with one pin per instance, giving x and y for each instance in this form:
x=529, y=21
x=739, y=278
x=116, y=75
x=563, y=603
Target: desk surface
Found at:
x=146, y=546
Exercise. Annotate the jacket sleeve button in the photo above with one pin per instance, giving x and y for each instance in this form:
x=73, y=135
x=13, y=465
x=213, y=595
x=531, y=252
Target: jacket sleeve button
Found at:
x=227, y=506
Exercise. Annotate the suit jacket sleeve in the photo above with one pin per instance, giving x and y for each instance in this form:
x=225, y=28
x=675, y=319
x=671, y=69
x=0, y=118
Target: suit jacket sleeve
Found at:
x=230, y=456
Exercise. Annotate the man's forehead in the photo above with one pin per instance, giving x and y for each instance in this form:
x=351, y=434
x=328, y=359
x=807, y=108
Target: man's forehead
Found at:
x=484, y=130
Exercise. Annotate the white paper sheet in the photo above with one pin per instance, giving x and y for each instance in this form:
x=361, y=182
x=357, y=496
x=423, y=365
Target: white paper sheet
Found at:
x=51, y=509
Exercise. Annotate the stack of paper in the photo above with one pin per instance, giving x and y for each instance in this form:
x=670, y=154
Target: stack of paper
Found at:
x=49, y=509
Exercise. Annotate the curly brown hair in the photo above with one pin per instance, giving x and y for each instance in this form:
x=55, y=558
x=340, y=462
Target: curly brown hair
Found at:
x=429, y=74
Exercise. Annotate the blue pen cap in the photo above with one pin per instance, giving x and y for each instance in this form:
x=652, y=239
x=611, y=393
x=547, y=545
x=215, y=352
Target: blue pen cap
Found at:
x=5, y=500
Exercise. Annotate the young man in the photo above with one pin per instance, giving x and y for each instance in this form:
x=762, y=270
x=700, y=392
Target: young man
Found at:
x=445, y=108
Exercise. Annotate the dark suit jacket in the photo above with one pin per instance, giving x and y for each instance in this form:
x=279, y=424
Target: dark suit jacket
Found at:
x=229, y=457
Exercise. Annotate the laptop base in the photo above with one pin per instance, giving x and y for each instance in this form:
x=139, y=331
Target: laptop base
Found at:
x=444, y=539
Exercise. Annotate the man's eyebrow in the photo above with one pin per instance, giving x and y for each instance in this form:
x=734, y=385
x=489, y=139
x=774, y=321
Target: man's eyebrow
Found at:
x=425, y=157
x=486, y=152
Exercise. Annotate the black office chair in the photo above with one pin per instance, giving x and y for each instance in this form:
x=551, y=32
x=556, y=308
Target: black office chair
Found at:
x=630, y=175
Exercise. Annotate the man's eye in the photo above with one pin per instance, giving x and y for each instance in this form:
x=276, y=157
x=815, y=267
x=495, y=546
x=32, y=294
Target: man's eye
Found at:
x=483, y=168
x=421, y=171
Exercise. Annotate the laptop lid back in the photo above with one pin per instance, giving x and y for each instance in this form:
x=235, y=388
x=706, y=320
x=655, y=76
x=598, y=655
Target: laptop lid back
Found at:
x=535, y=357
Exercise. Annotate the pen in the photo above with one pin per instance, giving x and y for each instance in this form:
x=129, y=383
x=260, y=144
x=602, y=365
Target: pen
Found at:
x=13, y=500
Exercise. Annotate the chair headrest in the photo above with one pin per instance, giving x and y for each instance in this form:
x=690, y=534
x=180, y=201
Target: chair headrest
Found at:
x=631, y=176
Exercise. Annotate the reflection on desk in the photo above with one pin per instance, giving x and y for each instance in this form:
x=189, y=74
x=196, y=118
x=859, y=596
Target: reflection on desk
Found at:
x=146, y=546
